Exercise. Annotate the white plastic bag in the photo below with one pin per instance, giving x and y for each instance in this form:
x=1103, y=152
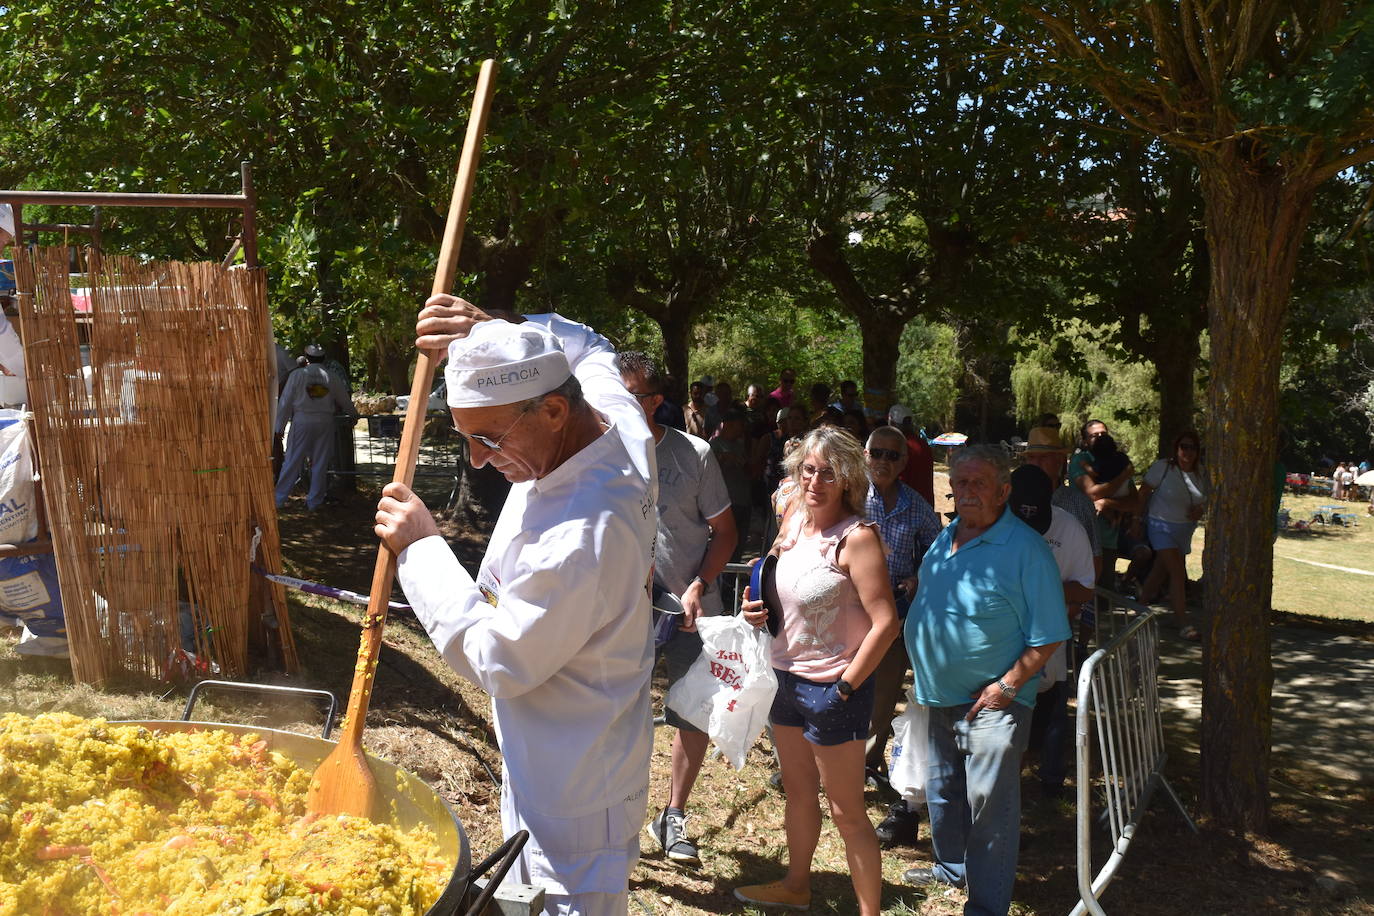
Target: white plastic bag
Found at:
x=730, y=687
x=910, y=749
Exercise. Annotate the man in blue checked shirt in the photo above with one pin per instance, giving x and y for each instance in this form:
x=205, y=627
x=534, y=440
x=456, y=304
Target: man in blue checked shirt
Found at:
x=909, y=526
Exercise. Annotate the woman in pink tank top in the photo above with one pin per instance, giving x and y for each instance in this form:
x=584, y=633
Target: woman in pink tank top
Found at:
x=838, y=620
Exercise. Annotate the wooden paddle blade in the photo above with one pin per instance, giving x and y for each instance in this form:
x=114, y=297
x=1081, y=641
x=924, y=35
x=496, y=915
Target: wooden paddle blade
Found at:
x=343, y=784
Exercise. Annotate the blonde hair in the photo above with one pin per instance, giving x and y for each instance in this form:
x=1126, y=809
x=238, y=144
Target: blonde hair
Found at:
x=846, y=458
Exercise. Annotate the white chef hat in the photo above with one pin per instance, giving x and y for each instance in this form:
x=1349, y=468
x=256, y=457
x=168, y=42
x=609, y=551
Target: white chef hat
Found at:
x=503, y=363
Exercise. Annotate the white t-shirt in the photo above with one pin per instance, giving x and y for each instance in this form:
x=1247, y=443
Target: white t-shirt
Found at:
x=691, y=489
x=1073, y=553
x=1175, y=491
x=556, y=626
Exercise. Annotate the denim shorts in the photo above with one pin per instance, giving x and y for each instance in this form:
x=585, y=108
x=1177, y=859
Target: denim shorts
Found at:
x=818, y=709
x=1170, y=535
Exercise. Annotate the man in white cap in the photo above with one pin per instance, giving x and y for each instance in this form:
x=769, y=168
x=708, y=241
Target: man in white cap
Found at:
x=556, y=624
x=308, y=403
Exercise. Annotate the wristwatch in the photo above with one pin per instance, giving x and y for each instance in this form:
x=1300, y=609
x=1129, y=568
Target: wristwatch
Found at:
x=843, y=688
x=705, y=586
x=1008, y=691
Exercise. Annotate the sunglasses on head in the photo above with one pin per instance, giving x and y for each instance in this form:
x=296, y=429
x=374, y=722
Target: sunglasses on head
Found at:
x=884, y=454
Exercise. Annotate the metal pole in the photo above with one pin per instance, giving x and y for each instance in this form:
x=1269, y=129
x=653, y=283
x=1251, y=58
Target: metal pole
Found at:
x=96, y=198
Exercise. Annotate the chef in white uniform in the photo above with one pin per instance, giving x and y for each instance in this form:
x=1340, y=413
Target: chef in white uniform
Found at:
x=556, y=624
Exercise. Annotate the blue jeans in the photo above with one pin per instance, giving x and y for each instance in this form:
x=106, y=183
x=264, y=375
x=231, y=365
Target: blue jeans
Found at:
x=973, y=796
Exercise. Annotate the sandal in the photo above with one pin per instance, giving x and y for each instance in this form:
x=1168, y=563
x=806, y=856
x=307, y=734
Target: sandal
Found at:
x=1190, y=633
x=773, y=894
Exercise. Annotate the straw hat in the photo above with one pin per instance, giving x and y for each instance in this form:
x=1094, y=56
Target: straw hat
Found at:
x=1045, y=439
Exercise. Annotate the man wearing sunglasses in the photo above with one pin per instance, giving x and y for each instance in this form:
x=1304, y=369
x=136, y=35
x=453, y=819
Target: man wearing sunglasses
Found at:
x=556, y=623
x=908, y=526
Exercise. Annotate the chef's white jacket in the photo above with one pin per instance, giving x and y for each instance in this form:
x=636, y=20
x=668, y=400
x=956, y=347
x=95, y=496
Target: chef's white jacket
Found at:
x=556, y=626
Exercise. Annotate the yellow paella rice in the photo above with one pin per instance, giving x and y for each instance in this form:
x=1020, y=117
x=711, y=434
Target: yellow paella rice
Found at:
x=102, y=818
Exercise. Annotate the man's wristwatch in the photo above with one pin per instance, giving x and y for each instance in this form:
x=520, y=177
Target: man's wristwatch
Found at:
x=1008, y=691
x=843, y=688
x=705, y=586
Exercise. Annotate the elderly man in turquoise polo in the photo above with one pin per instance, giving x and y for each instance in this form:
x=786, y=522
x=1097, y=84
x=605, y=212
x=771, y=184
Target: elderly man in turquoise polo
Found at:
x=988, y=614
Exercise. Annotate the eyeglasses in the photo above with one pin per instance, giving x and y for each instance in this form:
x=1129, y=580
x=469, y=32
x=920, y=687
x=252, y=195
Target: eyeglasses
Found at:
x=827, y=475
x=1188, y=446
x=495, y=444
x=644, y=394
x=884, y=454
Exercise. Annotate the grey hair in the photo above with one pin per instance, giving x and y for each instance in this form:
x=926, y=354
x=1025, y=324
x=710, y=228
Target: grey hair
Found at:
x=570, y=390
x=846, y=458
x=888, y=432
x=992, y=455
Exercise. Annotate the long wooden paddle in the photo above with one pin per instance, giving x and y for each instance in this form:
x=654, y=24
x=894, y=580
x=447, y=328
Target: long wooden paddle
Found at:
x=344, y=784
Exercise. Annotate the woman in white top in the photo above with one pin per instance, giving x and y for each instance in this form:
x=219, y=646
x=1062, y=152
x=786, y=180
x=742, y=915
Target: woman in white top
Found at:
x=1172, y=498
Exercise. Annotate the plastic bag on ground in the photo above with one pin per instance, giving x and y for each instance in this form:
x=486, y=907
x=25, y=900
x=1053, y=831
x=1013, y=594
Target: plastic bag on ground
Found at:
x=729, y=689
x=906, y=770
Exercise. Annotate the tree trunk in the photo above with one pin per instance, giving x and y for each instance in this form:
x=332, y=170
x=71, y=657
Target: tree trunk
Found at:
x=676, y=325
x=505, y=274
x=1176, y=354
x=1256, y=215
x=880, y=344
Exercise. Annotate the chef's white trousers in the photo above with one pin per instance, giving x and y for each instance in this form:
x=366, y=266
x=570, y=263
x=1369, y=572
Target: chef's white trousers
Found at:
x=583, y=863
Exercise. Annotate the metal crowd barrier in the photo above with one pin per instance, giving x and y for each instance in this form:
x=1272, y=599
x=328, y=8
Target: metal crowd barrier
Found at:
x=734, y=579
x=1117, y=694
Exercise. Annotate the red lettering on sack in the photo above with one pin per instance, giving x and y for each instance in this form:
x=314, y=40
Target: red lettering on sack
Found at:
x=730, y=707
x=727, y=675
x=729, y=656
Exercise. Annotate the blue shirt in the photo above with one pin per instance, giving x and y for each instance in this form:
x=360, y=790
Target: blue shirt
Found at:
x=908, y=531
x=977, y=610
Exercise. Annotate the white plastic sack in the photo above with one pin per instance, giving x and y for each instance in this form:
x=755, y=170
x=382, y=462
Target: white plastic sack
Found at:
x=18, y=522
x=730, y=687
x=906, y=770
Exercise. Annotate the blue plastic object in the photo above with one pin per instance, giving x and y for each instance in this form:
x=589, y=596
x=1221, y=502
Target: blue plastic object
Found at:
x=763, y=586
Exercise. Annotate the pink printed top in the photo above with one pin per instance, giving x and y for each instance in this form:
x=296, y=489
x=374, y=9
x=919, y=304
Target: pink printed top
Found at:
x=823, y=620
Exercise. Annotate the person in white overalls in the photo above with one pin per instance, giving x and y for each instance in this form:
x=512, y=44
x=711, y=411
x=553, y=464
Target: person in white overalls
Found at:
x=308, y=402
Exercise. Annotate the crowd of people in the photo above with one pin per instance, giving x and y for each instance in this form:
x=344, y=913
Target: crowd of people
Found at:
x=1343, y=486
x=616, y=489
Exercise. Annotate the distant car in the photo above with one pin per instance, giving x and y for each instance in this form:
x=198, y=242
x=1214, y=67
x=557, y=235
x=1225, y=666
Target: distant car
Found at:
x=438, y=399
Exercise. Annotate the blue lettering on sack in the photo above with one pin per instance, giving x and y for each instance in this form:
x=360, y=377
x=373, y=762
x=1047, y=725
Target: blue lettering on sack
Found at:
x=523, y=374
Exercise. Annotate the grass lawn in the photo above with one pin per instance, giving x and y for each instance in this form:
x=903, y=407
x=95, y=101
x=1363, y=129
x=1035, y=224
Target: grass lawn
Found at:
x=1301, y=586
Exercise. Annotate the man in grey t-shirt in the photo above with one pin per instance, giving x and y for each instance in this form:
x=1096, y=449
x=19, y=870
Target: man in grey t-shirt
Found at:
x=696, y=535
